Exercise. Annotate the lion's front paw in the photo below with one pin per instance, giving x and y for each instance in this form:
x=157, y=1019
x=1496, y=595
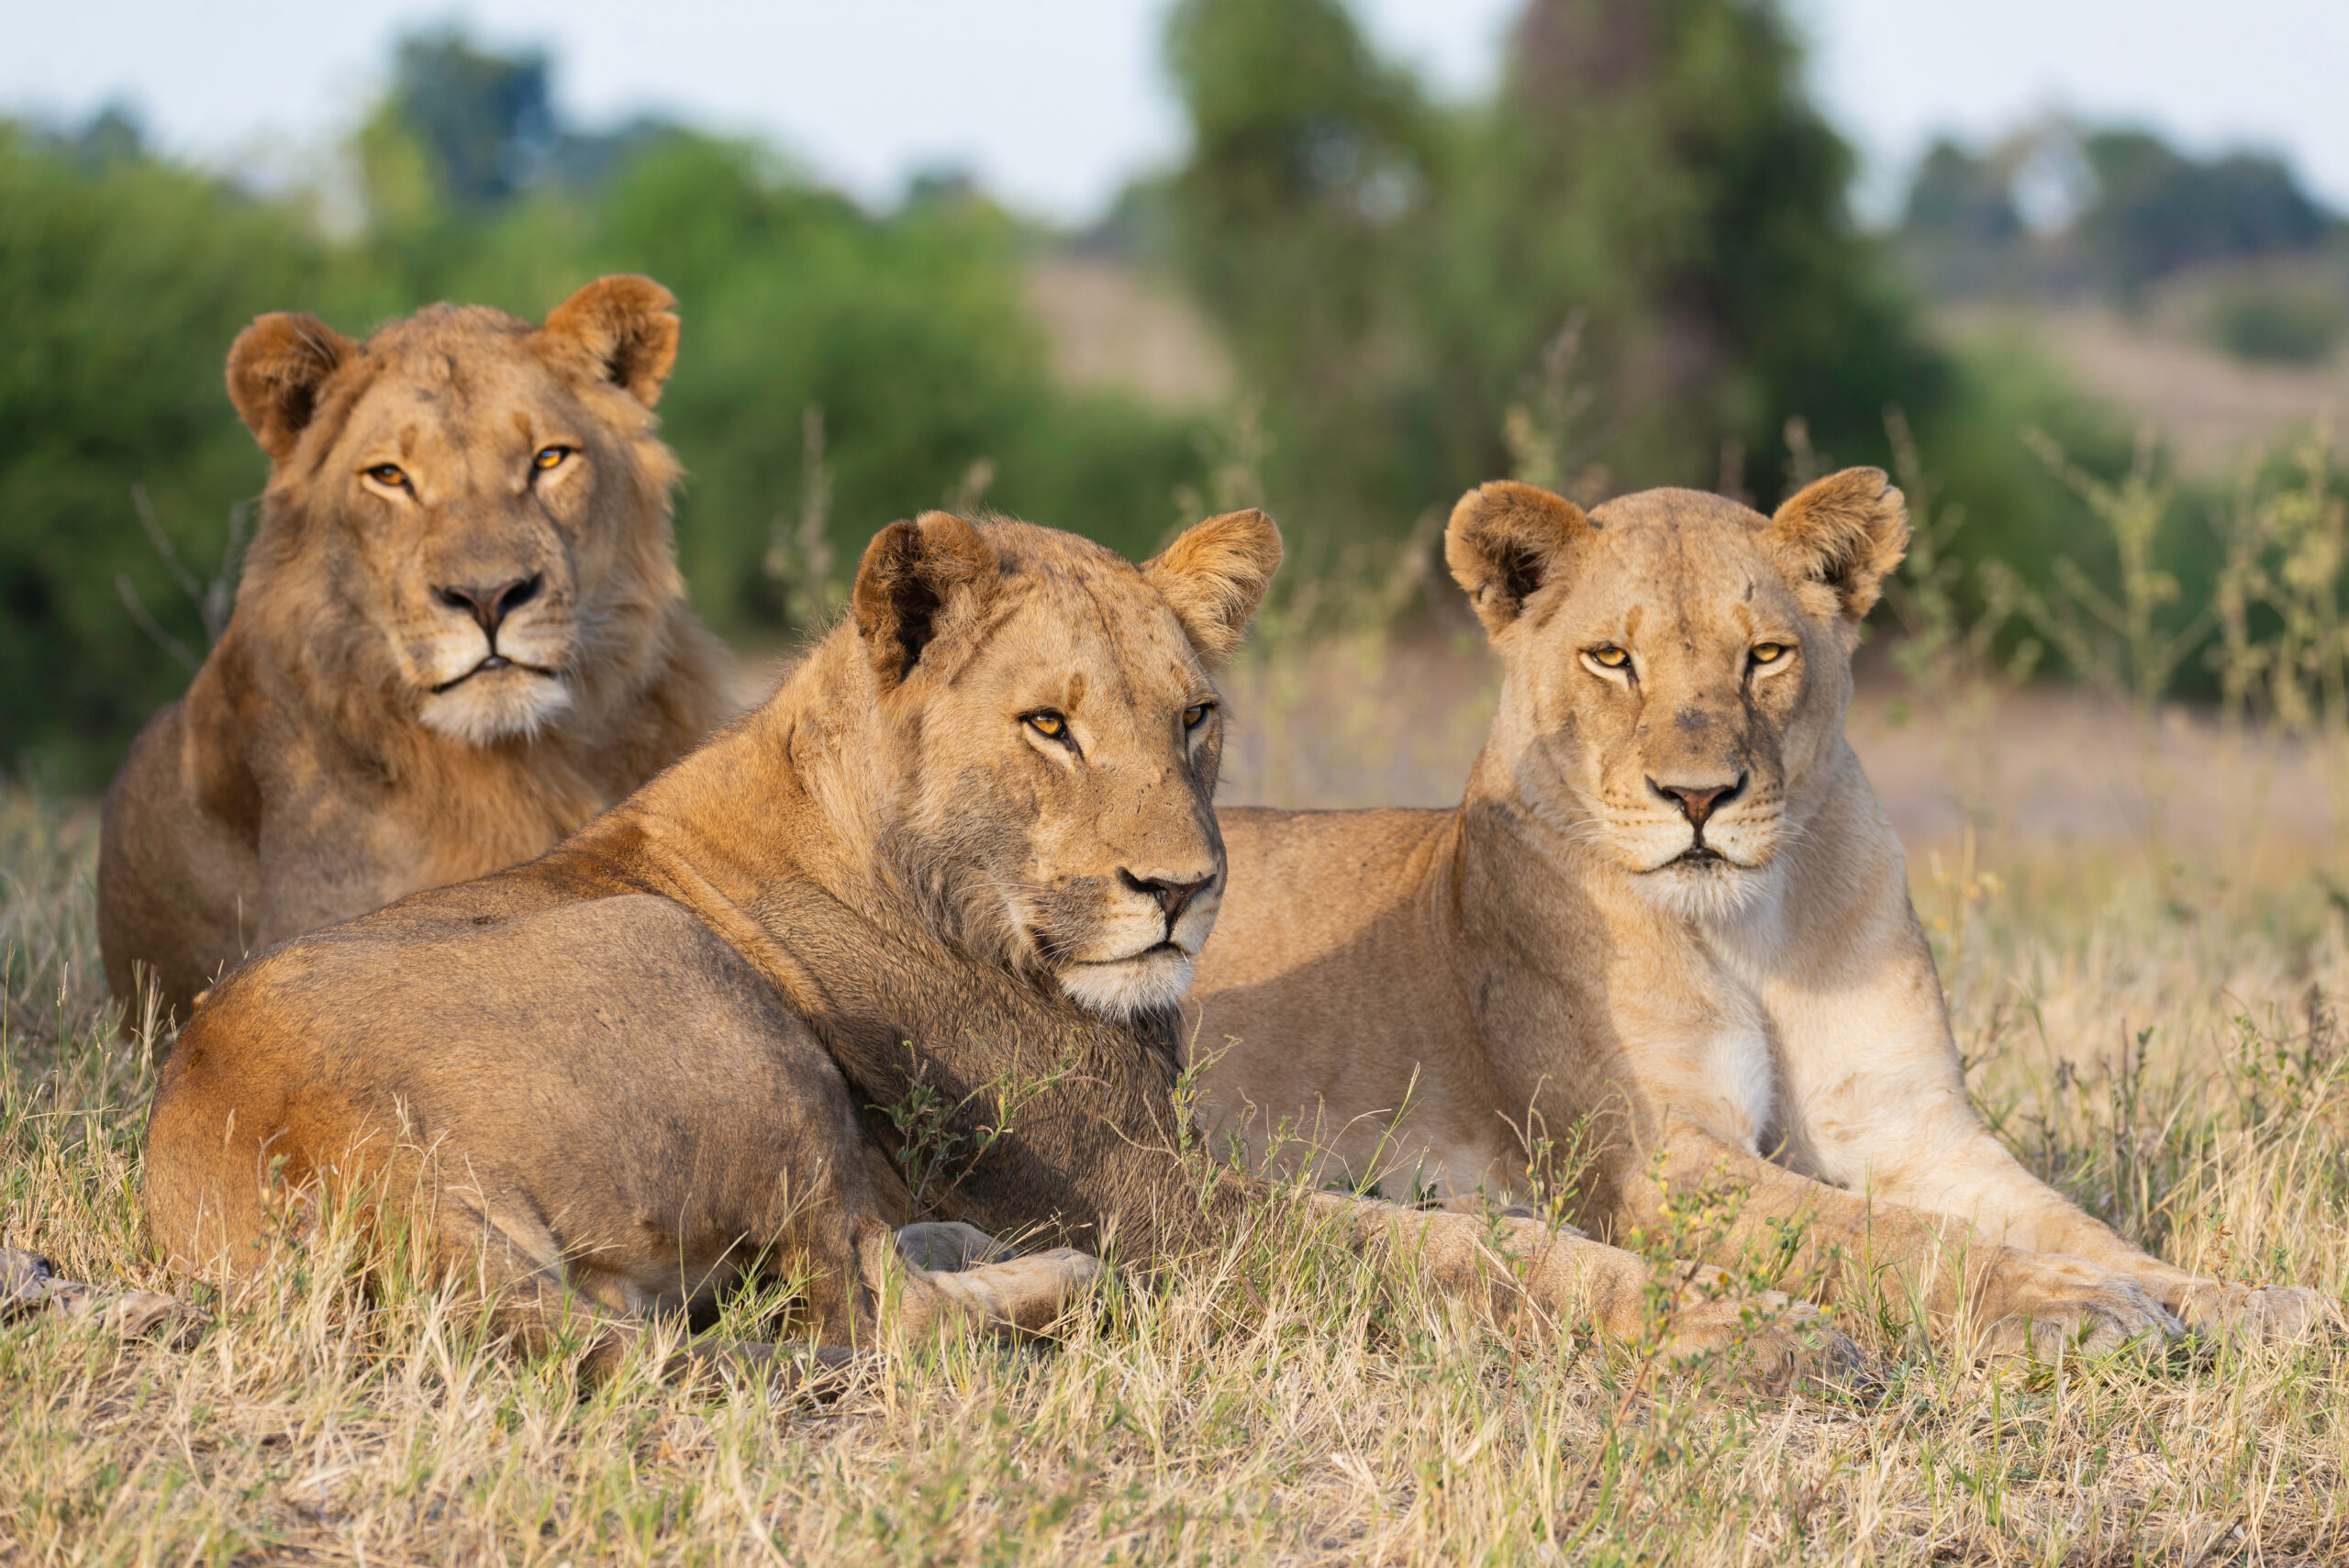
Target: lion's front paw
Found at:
x=2039, y=1304
x=29, y=1283
x=2260, y=1314
x=1767, y=1340
x=1028, y=1293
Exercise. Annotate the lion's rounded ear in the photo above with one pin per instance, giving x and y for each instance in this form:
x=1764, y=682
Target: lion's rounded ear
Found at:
x=1505, y=540
x=275, y=368
x=1845, y=531
x=628, y=327
x=1214, y=575
x=915, y=579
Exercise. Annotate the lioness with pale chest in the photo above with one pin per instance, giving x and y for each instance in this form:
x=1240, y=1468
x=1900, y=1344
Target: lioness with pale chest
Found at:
x=970, y=840
x=1669, y=927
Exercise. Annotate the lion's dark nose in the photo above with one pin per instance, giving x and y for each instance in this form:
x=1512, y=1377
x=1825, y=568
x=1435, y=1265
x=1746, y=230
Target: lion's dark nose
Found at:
x=1696, y=802
x=1172, y=897
x=490, y=607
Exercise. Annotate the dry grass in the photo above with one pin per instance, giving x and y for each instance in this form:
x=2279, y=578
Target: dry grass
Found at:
x=2152, y=1027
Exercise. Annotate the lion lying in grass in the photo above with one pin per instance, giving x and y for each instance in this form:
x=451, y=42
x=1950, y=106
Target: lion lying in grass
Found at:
x=460, y=632
x=971, y=838
x=1671, y=916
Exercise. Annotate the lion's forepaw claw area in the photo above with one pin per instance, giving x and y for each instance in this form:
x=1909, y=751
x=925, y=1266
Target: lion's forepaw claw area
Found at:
x=25, y=1280
x=2045, y=1306
x=28, y=1284
x=2075, y=1328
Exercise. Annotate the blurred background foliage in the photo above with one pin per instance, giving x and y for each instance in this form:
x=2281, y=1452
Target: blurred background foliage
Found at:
x=1635, y=262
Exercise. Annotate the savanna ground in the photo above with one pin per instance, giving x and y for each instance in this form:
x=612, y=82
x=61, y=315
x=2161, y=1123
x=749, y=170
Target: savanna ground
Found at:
x=2141, y=927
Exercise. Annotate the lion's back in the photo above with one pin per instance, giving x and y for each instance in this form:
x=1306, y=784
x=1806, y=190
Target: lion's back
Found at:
x=525, y=1017
x=1304, y=885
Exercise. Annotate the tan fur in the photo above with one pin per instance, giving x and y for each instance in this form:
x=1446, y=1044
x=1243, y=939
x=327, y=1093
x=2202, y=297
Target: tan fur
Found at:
x=313, y=772
x=1544, y=960
x=655, y=1059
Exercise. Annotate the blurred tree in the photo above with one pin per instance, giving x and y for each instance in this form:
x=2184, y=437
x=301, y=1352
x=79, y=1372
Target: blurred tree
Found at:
x=1302, y=221
x=487, y=121
x=2156, y=211
x=2122, y=207
x=1650, y=169
x=1958, y=196
x=1658, y=165
x=1963, y=229
x=108, y=137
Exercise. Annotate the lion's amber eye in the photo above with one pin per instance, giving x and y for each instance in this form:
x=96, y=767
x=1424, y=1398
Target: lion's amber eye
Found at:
x=552, y=456
x=1050, y=724
x=1768, y=652
x=390, y=475
x=1195, y=713
x=1611, y=656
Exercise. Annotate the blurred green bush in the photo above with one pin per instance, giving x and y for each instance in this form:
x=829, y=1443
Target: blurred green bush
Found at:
x=2283, y=325
x=122, y=280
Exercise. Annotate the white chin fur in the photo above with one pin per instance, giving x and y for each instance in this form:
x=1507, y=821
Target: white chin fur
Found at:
x=1131, y=987
x=1710, y=892
x=496, y=705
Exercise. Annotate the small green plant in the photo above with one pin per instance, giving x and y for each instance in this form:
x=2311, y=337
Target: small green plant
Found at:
x=2288, y=1076
x=1558, y=1167
x=2126, y=646
x=2282, y=652
x=1552, y=439
x=799, y=554
x=2121, y=644
x=940, y=1142
x=213, y=597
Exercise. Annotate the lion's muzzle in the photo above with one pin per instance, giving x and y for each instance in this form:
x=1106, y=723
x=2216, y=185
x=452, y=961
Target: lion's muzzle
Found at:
x=490, y=655
x=1136, y=951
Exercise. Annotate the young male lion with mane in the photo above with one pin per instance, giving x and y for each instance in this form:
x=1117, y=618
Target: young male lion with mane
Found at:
x=1669, y=912
x=460, y=631
x=971, y=838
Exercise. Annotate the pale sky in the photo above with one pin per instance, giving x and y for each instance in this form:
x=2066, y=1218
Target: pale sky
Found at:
x=1052, y=102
